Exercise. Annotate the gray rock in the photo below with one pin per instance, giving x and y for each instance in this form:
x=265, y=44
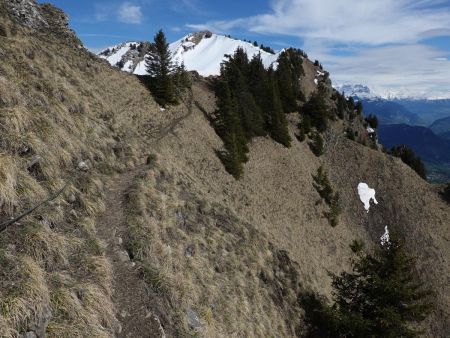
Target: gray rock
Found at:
x=123, y=256
x=81, y=293
x=193, y=319
x=11, y=247
x=27, y=12
x=190, y=251
x=73, y=213
x=72, y=198
x=35, y=161
x=41, y=323
x=83, y=165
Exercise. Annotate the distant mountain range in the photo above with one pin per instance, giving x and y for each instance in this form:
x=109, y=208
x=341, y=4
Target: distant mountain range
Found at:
x=422, y=140
x=390, y=112
x=433, y=150
x=421, y=124
x=441, y=127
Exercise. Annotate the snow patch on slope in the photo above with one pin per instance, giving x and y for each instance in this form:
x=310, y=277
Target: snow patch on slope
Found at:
x=384, y=240
x=366, y=194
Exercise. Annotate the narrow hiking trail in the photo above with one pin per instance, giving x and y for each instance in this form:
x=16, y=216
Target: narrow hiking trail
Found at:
x=129, y=291
x=130, y=295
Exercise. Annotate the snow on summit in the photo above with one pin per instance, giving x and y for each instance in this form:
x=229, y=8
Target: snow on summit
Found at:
x=202, y=52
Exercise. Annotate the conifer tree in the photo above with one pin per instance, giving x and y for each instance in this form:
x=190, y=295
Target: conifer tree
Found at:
x=380, y=297
x=258, y=83
x=317, y=110
x=160, y=68
x=228, y=126
x=278, y=124
x=286, y=83
x=316, y=144
x=359, y=107
x=446, y=193
x=181, y=79
x=340, y=105
x=372, y=121
x=409, y=157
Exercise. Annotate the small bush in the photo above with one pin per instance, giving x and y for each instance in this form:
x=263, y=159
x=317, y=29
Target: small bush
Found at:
x=350, y=134
x=155, y=279
x=323, y=187
x=316, y=144
x=3, y=31
x=151, y=160
x=446, y=193
x=335, y=210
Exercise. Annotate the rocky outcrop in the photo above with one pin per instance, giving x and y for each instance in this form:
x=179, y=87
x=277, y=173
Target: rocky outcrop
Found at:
x=41, y=18
x=27, y=12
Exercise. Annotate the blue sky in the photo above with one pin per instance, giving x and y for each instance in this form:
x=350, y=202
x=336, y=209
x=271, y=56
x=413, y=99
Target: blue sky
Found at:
x=394, y=46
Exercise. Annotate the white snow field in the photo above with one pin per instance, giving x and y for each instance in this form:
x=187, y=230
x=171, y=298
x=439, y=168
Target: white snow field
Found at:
x=202, y=55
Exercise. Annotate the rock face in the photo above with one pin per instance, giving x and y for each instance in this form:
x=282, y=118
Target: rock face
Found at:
x=39, y=327
x=27, y=12
x=42, y=18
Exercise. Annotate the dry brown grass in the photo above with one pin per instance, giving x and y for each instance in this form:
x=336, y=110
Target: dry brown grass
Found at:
x=220, y=278
x=23, y=302
x=61, y=105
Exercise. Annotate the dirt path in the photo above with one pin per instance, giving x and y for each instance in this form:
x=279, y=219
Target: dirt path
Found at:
x=129, y=291
x=130, y=294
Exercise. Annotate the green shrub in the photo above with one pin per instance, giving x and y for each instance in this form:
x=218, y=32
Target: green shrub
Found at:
x=446, y=193
x=316, y=144
x=323, y=187
x=380, y=297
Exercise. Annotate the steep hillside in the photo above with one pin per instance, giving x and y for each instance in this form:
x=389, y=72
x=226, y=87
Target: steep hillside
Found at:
x=201, y=51
x=151, y=236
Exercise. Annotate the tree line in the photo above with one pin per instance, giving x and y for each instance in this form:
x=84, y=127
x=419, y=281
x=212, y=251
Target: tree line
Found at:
x=253, y=101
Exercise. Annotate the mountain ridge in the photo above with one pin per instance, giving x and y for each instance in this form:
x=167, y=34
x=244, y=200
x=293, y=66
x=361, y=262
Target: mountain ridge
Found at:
x=368, y=92
x=201, y=51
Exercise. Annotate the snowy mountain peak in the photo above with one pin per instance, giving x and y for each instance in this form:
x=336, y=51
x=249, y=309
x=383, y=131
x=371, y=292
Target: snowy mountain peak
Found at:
x=371, y=92
x=356, y=90
x=200, y=51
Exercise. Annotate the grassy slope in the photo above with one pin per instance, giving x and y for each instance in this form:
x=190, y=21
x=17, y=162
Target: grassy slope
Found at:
x=277, y=196
x=60, y=105
x=204, y=241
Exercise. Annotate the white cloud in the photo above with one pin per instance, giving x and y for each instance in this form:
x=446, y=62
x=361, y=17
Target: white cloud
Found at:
x=379, y=40
x=129, y=13
x=347, y=21
x=400, y=70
